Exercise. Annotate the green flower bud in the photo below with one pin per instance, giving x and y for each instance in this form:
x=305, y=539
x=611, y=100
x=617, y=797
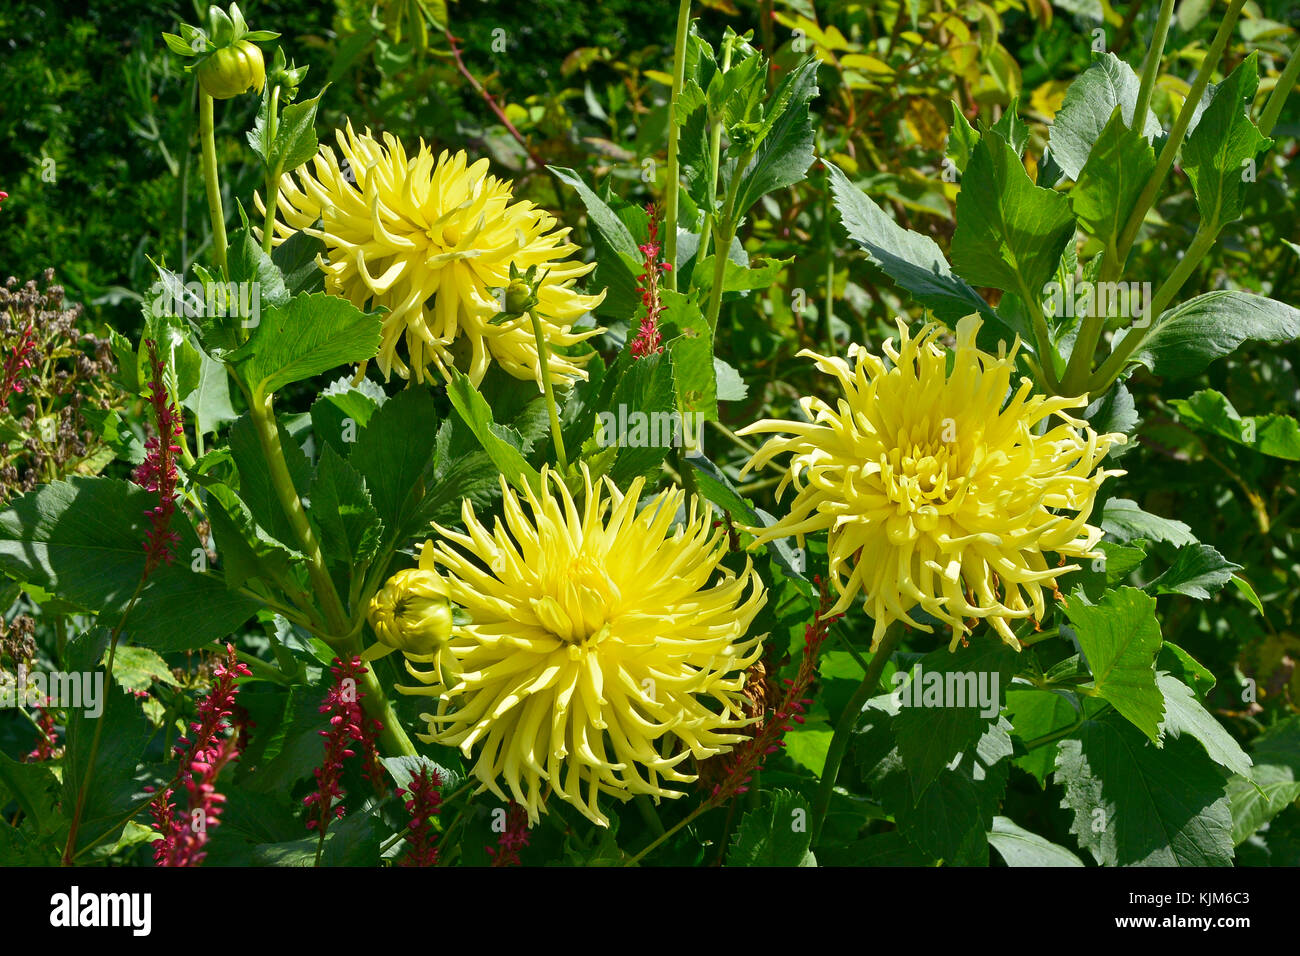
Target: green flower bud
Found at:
x=232, y=70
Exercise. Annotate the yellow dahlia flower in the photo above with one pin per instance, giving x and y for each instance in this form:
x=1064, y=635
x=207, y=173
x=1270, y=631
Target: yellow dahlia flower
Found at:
x=608, y=645
x=432, y=241
x=936, y=488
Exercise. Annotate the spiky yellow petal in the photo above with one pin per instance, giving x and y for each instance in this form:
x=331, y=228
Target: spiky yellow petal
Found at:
x=431, y=241
x=609, y=644
x=939, y=489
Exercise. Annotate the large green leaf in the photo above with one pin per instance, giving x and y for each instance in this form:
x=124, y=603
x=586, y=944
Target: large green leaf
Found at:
x=501, y=446
x=911, y=259
x=1121, y=637
x=786, y=149
x=394, y=454
x=1197, y=572
x=312, y=334
x=1188, y=337
x=1272, y=784
x=1275, y=435
x=83, y=539
x=1125, y=519
x=1010, y=232
x=1224, y=142
x=1185, y=715
x=350, y=527
x=1089, y=103
x=1136, y=804
x=1111, y=180
x=949, y=702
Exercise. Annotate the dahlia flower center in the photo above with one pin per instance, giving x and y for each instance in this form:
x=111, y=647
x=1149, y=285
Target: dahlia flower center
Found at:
x=582, y=604
x=921, y=475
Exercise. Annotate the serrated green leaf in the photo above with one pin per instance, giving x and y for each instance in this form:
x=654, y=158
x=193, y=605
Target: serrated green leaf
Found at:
x=1275, y=435
x=1185, y=715
x=312, y=334
x=774, y=834
x=1010, y=233
x=1197, y=572
x=1111, y=180
x=1088, y=105
x=1138, y=805
x=1126, y=520
x=1120, y=638
x=350, y=527
x=1224, y=142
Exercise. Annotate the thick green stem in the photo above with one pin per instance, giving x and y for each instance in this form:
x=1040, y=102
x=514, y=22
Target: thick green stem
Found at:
x=544, y=364
x=207, y=136
x=376, y=703
x=673, y=186
x=1165, y=161
x=272, y=174
x=844, y=728
x=1277, y=99
x=1151, y=66
x=1042, y=340
x=268, y=434
x=1202, y=242
x=715, y=161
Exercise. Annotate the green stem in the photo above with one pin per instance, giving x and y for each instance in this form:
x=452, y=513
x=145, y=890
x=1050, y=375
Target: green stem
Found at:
x=1151, y=66
x=1166, y=160
x=715, y=162
x=376, y=703
x=70, y=848
x=336, y=621
x=1042, y=339
x=273, y=174
x=673, y=186
x=543, y=362
x=844, y=728
x=208, y=138
x=1277, y=99
x=1202, y=242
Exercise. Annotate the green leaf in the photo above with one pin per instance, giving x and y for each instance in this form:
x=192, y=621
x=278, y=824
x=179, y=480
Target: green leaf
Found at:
x=1186, y=668
x=774, y=834
x=1088, y=105
x=1019, y=847
x=1222, y=148
x=312, y=334
x=342, y=410
x=33, y=786
x=1188, y=337
x=962, y=138
x=296, y=259
x=1275, y=435
x=1138, y=805
x=1120, y=638
x=350, y=527
x=83, y=539
x=647, y=389
x=931, y=727
x=690, y=340
x=394, y=454
x=1035, y=714
x=1111, y=180
x=502, y=447
x=1272, y=784
x=210, y=400
x=1185, y=715
x=138, y=668
x=112, y=791
x=1010, y=232
x=618, y=260
x=786, y=148
x=911, y=259
x=1197, y=572
x=295, y=140
x=256, y=489
x=1126, y=520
